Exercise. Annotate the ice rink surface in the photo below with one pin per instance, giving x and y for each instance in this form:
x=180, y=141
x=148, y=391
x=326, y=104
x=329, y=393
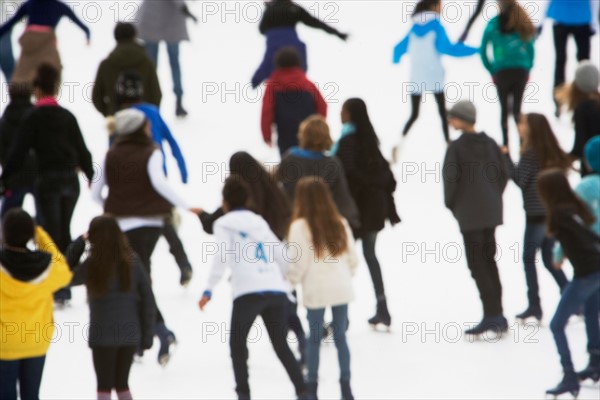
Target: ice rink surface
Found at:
x=431, y=295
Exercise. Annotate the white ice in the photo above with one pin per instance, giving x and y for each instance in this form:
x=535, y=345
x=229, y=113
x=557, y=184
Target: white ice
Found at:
x=431, y=294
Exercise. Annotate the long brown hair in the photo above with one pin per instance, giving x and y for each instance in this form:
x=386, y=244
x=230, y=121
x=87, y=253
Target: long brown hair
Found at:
x=110, y=257
x=513, y=18
x=314, y=204
x=543, y=142
x=572, y=96
x=555, y=192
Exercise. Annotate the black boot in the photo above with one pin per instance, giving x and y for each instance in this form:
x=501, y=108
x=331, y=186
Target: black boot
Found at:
x=167, y=338
x=569, y=384
x=497, y=324
x=592, y=371
x=382, y=315
x=243, y=396
x=531, y=312
x=310, y=392
x=346, y=390
x=179, y=110
x=186, y=275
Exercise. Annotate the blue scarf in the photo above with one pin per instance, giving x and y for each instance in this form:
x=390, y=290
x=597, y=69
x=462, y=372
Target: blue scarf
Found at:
x=347, y=129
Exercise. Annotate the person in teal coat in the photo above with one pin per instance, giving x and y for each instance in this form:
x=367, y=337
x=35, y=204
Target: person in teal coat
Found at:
x=511, y=35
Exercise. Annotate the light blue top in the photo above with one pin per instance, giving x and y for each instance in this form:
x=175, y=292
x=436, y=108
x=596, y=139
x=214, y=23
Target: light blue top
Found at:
x=426, y=42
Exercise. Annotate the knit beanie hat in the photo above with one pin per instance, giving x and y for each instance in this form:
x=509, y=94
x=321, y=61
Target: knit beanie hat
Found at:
x=591, y=153
x=465, y=111
x=129, y=121
x=587, y=77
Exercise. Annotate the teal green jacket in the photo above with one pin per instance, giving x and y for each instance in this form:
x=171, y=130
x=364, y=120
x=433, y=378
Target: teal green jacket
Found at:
x=509, y=50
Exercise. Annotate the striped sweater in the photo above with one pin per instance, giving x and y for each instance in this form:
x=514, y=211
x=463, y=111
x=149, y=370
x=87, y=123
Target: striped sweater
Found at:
x=524, y=174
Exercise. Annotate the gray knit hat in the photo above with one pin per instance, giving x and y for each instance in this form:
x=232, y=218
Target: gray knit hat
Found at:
x=129, y=121
x=587, y=77
x=465, y=111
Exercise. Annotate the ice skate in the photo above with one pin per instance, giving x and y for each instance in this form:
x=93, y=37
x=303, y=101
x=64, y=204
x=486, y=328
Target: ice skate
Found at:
x=167, y=340
x=569, y=384
x=382, y=317
x=186, y=276
x=531, y=313
x=592, y=371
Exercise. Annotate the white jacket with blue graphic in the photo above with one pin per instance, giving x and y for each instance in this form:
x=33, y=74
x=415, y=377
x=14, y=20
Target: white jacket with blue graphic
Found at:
x=425, y=43
x=244, y=243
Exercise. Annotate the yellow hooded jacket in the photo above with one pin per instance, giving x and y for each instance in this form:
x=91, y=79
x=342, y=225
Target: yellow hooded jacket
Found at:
x=26, y=308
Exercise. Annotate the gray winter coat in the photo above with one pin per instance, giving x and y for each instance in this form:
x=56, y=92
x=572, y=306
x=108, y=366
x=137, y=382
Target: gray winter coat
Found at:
x=475, y=177
x=160, y=20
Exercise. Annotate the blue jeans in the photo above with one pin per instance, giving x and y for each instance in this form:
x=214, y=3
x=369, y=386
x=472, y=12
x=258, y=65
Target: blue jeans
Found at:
x=581, y=291
x=340, y=324
x=173, y=51
x=7, y=59
x=27, y=372
x=535, y=238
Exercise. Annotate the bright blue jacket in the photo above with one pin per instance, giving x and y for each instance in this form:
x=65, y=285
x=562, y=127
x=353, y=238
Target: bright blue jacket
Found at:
x=160, y=133
x=574, y=12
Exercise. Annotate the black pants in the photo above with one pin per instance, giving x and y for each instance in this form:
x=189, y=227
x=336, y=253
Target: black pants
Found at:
x=369, y=241
x=112, y=366
x=57, y=195
x=582, y=35
x=416, y=104
x=175, y=245
x=143, y=241
x=295, y=326
x=510, y=84
x=480, y=248
x=273, y=308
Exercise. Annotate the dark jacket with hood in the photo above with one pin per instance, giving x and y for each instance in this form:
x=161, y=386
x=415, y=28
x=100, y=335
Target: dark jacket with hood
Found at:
x=127, y=56
x=475, y=177
x=11, y=121
x=117, y=318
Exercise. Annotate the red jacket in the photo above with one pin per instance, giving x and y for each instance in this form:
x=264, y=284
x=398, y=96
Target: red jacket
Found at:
x=293, y=83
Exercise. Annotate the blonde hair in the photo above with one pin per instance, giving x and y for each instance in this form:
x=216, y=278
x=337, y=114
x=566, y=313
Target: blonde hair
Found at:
x=314, y=134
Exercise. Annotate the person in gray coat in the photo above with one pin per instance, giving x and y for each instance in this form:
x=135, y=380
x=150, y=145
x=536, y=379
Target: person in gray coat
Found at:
x=165, y=21
x=310, y=159
x=475, y=177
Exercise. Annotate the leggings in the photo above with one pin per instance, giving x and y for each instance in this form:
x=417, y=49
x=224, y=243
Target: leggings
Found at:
x=112, y=365
x=510, y=84
x=416, y=103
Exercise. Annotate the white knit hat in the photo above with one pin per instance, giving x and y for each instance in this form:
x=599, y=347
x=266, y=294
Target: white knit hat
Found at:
x=587, y=77
x=129, y=121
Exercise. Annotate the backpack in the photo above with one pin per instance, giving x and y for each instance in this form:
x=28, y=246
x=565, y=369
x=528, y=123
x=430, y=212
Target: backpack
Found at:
x=129, y=88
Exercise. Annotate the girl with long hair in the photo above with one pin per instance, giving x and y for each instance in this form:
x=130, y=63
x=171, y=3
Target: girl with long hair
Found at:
x=427, y=71
x=569, y=221
x=582, y=97
x=324, y=268
x=511, y=35
x=122, y=307
x=372, y=186
x=539, y=150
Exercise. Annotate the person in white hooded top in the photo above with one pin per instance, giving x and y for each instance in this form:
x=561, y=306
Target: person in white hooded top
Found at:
x=256, y=257
x=324, y=267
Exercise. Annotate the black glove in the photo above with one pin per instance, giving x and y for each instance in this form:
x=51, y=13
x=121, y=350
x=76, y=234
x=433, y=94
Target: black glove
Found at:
x=187, y=13
x=343, y=36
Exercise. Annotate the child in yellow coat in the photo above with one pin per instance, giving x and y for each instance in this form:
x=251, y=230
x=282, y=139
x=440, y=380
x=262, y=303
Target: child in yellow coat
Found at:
x=27, y=281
